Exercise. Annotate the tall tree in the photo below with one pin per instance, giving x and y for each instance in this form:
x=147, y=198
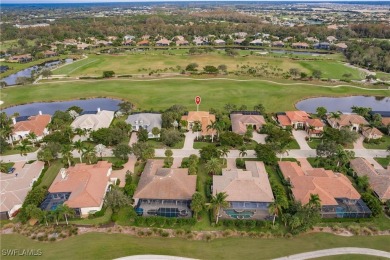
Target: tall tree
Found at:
x=197, y=203
x=213, y=166
x=315, y=201
x=116, y=199
x=217, y=202
x=79, y=146
x=66, y=152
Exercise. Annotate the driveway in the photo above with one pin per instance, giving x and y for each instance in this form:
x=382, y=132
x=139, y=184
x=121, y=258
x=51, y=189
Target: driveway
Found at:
x=259, y=138
x=337, y=251
x=189, y=140
x=300, y=136
x=231, y=164
x=177, y=162
x=121, y=174
x=133, y=138
x=359, y=143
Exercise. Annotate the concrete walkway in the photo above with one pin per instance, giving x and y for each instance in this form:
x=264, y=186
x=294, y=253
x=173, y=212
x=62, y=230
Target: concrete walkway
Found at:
x=231, y=164
x=305, y=165
x=337, y=251
x=177, y=162
x=189, y=140
x=376, y=165
x=300, y=136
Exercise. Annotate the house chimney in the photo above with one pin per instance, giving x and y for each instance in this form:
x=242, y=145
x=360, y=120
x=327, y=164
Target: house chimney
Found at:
x=40, y=112
x=98, y=110
x=63, y=173
x=14, y=120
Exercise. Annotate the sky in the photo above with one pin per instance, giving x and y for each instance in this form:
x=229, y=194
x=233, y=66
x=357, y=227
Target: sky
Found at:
x=123, y=1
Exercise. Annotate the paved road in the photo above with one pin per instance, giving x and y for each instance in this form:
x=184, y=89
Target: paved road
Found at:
x=337, y=251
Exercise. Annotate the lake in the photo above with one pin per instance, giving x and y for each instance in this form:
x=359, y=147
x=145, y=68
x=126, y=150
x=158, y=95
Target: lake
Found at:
x=11, y=79
x=51, y=107
x=344, y=104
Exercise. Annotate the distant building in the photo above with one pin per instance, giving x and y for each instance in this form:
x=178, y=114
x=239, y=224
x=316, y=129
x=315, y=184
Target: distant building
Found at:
x=143, y=43
x=146, y=121
x=241, y=121
x=296, y=119
x=163, y=42
x=300, y=45
x=33, y=124
x=238, y=41
x=21, y=58
x=257, y=42
x=351, y=121
x=278, y=44
x=219, y=42
x=93, y=122
x=203, y=117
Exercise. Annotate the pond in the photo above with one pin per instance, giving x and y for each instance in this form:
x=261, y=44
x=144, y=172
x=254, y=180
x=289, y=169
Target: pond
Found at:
x=11, y=79
x=344, y=104
x=51, y=107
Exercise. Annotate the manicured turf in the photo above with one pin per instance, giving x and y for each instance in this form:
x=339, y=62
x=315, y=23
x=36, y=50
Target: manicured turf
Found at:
x=16, y=151
x=163, y=93
x=167, y=62
x=110, y=246
x=51, y=173
x=383, y=144
x=385, y=162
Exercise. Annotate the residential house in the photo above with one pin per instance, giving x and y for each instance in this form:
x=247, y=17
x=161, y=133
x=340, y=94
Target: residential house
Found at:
x=314, y=127
x=93, y=121
x=241, y=121
x=203, y=117
x=341, y=46
x=240, y=34
x=277, y=44
x=163, y=42
x=49, y=53
x=112, y=38
x=199, y=42
x=312, y=39
x=24, y=126
x=238, y=41
x=143, y=43
x=219, y=42
x=331, y=39
x=128, y=37
x=379, y=179
x=300, y=45
x=352, y=121
x=146, y=121
x=248, y=191
x=338, y=197
x=288, y=39
x=128, y=42
x=371, y=132
x=257, y=42
x=164, y=192
x=145, y=37
x=83, y=46
x=14, y=187
x=182, y=43
x=69, y=42
x=296, y=119
x=81, y=187
x=102, y=43
x=21, y=58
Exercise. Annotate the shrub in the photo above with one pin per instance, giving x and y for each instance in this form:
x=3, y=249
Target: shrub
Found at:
x=164, y=234
x=240, y=163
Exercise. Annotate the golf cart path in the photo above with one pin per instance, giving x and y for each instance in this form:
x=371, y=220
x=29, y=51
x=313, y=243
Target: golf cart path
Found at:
x=337, y=251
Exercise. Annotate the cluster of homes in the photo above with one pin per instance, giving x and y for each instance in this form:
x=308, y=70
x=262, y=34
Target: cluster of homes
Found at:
x=168, y=191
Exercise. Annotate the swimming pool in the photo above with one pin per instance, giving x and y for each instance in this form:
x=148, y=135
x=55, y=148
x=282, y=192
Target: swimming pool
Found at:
x=239, y=215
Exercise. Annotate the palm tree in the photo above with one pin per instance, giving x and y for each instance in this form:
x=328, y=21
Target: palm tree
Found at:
x=100, y=149
x=196, y=128
x=89, y=153
x=197, y=203
x=224, y=151
x=23, y=148
x=46, y=216
x=7, y=131
x=219, y=127
x=311, y=129
x=65, y=211
x=217, y=202
x=33, y=137
x=79, y=146
x=80, y=132
x=66, y=152
x=212, y=126
x=274, y=209
x=243, y=150
x=335, y=115
x=314, y=201
x=213, y=166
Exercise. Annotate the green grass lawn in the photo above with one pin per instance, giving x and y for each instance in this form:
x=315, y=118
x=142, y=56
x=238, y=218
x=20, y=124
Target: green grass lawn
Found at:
x=383, y=144
x=16, y=151
x=94, y=221
x=51, y=173
x=293, y=145
x=110, y=246
x=385, y=162
x=162, y=93
x=173, y=61
x=200, y=145
x=159, y=145
x=314, y=142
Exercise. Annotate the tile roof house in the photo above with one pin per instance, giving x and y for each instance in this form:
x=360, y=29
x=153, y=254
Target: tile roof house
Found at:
x=20, y=58
x=338, y=197
x=249, y=191
x=164, y=191
x=93, y=122
x=296, y=119
x=371, y=132
x=49, y=53
x=34, y=124
x=205, y=119
x=379, y=179
x=314, y=127
x=163, y=42
x=146, y=121
x=278, y=44
x=182, y=43
x=257, y=42
x=241, y=121
x=14, y=187
x=143, y=43
x=81, y=187
x=219, y=42
x=300, y=45
x=239, y=41
x=351, y=121
x=386, y=121
x=341, y=46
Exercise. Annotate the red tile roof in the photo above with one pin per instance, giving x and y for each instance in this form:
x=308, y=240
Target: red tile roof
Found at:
x=36, y=124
